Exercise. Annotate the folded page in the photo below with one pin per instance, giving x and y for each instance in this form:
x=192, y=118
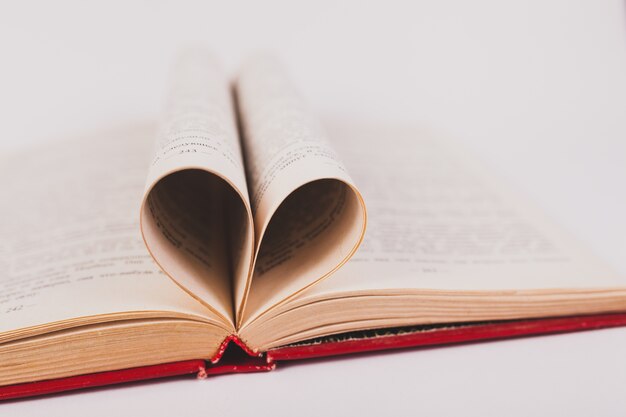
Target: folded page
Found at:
x=309, y=217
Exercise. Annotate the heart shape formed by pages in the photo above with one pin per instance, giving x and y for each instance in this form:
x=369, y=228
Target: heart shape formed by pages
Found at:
x=243, y=237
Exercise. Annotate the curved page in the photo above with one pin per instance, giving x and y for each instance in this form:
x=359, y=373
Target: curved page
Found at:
x=309, y=218
x=195, y=217
x=301, y=219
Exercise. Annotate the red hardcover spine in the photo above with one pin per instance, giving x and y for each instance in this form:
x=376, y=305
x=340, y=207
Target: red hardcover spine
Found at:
x=235, y=357
x=460, y=334
x=98, y=379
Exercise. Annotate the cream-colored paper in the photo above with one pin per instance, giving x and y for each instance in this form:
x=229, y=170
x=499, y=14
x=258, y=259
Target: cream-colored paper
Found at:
x=71, y=251
x=302, y=219
x=446, y=242
x=195, y=217
x=440, y=220
x=309, y=218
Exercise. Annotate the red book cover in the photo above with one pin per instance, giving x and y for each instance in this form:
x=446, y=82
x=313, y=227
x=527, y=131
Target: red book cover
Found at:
x=235, y=357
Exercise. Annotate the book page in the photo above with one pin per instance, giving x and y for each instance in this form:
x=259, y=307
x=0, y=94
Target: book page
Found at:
x=70, y=244
x=196, y=218
x=309, y=218
x=439, y=220
x=446, y=243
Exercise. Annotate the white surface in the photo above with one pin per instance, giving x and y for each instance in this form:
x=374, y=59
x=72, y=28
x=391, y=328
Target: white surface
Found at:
x=538, y=89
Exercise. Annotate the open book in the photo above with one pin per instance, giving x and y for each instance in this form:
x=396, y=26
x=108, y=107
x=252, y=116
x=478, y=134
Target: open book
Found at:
x=247, y=230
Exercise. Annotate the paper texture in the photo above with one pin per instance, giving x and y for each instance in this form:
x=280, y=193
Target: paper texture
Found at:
x=440, y=220
x=309, y=218
x=195, y=217
x=446, y=243
x=69, y=237
x=253, y=243
x=222, y=239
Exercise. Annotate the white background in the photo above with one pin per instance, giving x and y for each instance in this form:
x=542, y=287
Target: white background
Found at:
x=536, y=89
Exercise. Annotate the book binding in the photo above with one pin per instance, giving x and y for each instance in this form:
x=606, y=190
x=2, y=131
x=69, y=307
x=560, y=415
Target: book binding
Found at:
x=235, y=357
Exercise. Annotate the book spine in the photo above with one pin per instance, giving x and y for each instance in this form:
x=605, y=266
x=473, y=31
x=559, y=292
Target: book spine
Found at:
x=98, y=379
x=235, y=357
x=447, y=335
